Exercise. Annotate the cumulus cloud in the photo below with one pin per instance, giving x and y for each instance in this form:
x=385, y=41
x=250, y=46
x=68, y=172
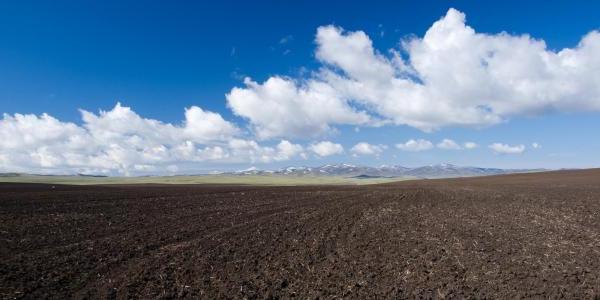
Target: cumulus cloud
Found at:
x=326, y=148
x=500, y=148
x=470, y=145
x=287, y=150
x=452, y=76
x=415, y=145
x=248, y=150
x=202, y=126
x=536, y=146
x=367, y=149
x=284, y=107
x=448, y=144
x=120, y=141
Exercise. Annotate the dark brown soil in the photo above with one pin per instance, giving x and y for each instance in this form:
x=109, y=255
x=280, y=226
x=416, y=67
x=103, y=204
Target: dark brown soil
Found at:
x=494, y=237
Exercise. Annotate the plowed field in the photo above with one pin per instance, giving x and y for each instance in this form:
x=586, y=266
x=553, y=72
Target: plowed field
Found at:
x=507, y=236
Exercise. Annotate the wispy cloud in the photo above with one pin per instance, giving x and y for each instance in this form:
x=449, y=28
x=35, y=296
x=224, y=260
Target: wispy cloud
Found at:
x=286, y=39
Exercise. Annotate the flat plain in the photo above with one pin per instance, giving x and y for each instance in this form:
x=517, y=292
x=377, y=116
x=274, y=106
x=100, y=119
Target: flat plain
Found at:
x=270, y=180
x=508, y=236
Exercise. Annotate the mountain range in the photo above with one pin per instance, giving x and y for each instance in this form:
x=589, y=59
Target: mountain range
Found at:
x=348, y=170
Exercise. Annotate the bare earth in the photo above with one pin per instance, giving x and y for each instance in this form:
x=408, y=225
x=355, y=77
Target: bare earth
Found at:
x=509, y=236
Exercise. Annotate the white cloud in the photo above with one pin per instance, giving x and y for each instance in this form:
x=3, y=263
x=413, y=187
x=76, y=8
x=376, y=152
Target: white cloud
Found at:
x=536, y=146
x=121, y=141
x=507, y=149
x=470, y=145
x=367, y=149
x=283, y=107
x=202, y=126
x=326, y=148
x=415, y=145
x=286, y=150
x=452, y=76
x=448, y=144
x=250, y=151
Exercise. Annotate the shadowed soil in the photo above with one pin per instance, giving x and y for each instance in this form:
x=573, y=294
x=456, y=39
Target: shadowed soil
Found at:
x=509, y=236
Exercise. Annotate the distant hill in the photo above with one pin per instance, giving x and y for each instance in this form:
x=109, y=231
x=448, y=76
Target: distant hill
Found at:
x=25, y=174
x=90, y=175
x=9, y=174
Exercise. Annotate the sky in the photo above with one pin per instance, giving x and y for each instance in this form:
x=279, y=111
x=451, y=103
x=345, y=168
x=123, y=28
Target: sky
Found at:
x=132, y=88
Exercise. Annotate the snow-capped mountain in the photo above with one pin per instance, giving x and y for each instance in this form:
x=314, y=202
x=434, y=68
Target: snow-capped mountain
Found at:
x=348, y=170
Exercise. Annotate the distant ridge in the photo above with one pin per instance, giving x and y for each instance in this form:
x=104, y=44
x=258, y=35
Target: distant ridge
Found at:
x=348, y=170
x=89, y=175
x=343, y=170
x=9, y=174
x=26, y=174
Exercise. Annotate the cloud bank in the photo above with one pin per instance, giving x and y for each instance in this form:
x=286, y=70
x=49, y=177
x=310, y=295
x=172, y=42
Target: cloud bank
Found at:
x=121, y=141
x=452, y=76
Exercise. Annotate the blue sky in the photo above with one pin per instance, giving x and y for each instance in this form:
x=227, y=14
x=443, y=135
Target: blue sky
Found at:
x=160, y=58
